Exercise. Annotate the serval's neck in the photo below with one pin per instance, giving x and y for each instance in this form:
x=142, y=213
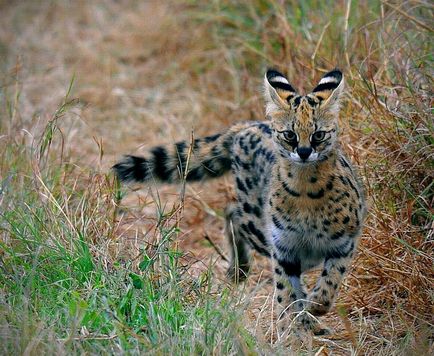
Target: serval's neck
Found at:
x=304, y=176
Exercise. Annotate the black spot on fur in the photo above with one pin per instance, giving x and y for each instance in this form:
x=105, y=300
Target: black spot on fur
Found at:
x=262, y=250
x=289, y=190
x=316, y=195
x=329, y=185
x=353, y=188
x=344, y=163
x=290, y=227
x=264, y=128
x=342, y=269
x=227, y=143
x=216, y=167
x=277, y=223
x=337, y=235
x=245, y=228
x=247, y=208
x=343, y=180
x=279, y=299
x=337, y=253
x=311, y=101
x=243, y=145
x=249, y=183
x=290, y=268
x=257, y=211
x=254, y=140
x=257, y=232
x=196, y=144
x=209, y=139
x=241, y=185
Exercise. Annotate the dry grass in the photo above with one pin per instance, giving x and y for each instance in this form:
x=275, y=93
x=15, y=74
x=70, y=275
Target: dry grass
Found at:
x=146, y=73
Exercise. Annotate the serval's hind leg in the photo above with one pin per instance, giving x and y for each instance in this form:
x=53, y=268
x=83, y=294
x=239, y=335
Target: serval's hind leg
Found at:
x=239, y=263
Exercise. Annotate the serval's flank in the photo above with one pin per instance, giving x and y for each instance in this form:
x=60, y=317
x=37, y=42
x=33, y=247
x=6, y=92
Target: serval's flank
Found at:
x=299, y=201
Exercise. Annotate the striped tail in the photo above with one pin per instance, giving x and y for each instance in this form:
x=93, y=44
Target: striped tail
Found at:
x=209, y=157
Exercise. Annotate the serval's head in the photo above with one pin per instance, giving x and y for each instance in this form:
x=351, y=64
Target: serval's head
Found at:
x=304, y=126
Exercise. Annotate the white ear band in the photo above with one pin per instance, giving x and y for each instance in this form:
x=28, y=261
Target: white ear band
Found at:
x=327, y=80
x=279, y=79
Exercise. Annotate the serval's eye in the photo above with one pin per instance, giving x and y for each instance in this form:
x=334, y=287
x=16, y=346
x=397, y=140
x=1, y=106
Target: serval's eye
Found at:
x=289, y=136
x=318, y=136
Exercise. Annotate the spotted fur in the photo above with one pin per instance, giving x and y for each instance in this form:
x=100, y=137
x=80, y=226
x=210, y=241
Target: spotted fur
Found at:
x=299, y=201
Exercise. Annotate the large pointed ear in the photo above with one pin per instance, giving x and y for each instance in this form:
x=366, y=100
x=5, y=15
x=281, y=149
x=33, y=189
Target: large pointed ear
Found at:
x=329, y=90
x=278, y=91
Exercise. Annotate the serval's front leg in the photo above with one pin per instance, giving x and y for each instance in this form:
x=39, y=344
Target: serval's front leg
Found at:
x=292, y=299
x=324, y=293
x=290, y=293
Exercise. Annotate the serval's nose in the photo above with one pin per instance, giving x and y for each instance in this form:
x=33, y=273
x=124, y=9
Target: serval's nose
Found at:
x=304, y=152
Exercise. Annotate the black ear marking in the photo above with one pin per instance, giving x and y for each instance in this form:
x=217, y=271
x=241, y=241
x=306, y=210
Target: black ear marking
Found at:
x=278, y=81
x=328, y=83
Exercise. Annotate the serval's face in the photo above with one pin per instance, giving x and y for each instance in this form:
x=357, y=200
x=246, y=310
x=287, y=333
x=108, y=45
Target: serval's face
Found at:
x=304, y=127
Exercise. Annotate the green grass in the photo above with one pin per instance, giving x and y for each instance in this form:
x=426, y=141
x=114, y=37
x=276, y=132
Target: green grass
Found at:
x=63, y=292
x=60, y=289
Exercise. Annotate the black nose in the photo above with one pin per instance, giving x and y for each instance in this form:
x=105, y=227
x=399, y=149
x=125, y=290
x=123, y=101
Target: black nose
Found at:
x=304, y=152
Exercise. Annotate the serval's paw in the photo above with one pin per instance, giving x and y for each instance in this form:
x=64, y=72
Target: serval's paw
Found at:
x=319, y=304
x=312, y=324
x=239, y=274
x=321, y=330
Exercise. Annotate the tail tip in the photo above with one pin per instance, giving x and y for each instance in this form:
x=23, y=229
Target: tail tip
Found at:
x=131, y=169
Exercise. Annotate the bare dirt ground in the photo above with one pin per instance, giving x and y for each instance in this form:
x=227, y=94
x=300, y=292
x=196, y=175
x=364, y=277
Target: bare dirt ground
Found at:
x=131, y=64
